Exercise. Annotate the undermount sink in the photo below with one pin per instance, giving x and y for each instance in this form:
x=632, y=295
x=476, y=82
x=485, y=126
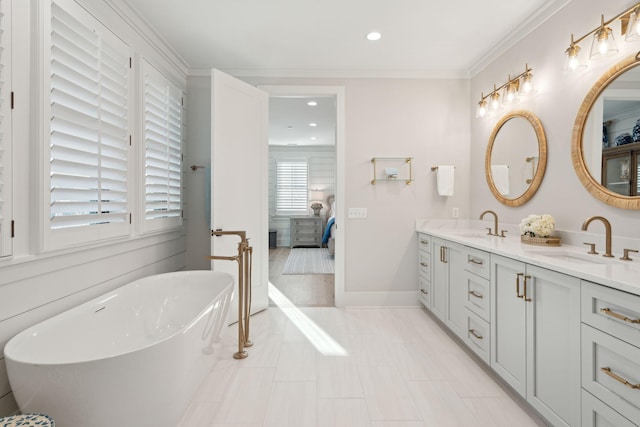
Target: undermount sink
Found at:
x=474, y=235
x=572, y=257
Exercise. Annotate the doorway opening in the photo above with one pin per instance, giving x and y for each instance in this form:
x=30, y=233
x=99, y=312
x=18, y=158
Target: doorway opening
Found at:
x=305, y=263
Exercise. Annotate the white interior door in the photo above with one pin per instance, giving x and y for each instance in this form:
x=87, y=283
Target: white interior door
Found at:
x=239, y=178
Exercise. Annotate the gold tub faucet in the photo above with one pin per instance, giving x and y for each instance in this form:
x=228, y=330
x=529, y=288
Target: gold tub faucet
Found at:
x=607, y=230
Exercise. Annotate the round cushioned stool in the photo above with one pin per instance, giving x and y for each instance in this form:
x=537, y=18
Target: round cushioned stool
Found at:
x=27, y=420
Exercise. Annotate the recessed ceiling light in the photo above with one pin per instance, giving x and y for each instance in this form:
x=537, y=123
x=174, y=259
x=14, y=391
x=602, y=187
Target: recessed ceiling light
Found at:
x=373, y=36
x=312, y=103
x=313, y=125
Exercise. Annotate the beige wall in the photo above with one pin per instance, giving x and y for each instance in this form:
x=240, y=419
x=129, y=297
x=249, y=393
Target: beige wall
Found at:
x=558, y=99
x=426, y=119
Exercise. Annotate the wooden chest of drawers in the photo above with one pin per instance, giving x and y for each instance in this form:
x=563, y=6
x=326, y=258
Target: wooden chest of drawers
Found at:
x=306, y=231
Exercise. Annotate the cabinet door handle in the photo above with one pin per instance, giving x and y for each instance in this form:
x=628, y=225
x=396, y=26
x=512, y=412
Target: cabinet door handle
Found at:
x=618, y=316
x=444, y=254
x=518, y=276
x=524, y=297
x=475, y=294
x=620, y=379
x=475, y=261
x=475, y=334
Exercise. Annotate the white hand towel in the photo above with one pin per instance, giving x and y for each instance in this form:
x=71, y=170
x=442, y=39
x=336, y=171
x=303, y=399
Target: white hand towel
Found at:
x=500, y=175
x=445, y=179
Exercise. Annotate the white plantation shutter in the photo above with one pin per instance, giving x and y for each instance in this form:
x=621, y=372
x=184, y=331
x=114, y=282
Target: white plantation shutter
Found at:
x=89, y=126
x=162, y=148
x=5, y=129
x=291, y=187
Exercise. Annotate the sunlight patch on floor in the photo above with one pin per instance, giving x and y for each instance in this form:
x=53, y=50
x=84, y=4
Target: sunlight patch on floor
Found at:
x=322, y=341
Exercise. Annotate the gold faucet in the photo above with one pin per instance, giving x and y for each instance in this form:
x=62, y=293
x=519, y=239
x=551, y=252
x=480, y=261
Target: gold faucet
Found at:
x=495, y=222
x=607, y=230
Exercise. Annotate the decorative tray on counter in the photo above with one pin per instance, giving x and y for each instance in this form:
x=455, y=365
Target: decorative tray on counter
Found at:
x=540, y=241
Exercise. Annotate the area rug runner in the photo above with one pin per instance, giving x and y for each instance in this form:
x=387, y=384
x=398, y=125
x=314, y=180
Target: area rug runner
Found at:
x=309, y=261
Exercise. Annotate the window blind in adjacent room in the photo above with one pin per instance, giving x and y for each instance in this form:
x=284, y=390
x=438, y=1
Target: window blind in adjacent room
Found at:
x=291, y=187
x=5, y=129
x=89, y=125
x=162, y=146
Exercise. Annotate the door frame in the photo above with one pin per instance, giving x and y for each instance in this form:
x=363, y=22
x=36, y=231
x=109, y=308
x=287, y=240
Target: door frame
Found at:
x=339, y=92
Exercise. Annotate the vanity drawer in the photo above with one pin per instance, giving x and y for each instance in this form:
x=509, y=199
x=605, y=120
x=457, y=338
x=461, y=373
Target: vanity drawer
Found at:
x=424, y=242
x=612, y=311
x=477, y=295
x=477, y=262
x=477, y=335
x=424, y=263
x=611, y=371
x=597, y=414
x=425, y=290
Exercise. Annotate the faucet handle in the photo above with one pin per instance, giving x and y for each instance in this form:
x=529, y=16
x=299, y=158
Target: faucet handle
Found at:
x=502, y=233
x=489, y=233
x=626, y=256
x=592, y=247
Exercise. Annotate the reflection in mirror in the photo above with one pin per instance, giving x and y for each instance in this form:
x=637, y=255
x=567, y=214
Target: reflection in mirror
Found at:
x=611, y=139
x=516, y=158
x=606, y=137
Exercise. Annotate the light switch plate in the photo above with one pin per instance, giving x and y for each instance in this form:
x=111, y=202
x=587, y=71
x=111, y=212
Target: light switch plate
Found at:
x=357, y=213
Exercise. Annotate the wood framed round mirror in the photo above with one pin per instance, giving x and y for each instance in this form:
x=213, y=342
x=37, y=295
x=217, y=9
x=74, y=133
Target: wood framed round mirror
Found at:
x=516, y=158
x=605, y=145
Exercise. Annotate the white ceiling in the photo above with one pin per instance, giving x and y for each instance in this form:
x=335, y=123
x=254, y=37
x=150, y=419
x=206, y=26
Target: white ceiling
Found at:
x=420, y=38
x=326, y=38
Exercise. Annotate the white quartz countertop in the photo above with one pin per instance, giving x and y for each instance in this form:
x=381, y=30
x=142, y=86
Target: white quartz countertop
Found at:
x=567, y=259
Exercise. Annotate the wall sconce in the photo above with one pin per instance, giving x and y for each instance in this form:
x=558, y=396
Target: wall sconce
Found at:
x=603, y=43
x=513, y=89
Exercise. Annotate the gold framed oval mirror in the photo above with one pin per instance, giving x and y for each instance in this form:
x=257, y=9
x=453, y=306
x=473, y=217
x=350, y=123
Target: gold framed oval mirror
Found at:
x=604, y=152
x=516, y=158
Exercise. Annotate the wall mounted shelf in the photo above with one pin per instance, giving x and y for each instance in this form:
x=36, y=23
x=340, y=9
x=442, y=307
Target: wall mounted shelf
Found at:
x=395, y=169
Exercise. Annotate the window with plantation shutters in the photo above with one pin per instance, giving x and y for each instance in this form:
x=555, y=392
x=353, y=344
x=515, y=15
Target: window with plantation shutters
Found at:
x=89, y=128
x=5, y=129
x=162, y=150
x=291, y=187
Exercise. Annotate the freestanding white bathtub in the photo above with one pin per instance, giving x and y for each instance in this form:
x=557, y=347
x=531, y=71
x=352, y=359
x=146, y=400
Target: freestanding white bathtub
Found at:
x=132, y=357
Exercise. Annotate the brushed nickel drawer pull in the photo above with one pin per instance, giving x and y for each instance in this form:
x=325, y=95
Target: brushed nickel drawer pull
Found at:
x=424, y=292
x=475, y=334
x=424, y=242
x=475, y=294
x=424, y=264
x=475, y=261
x=618, y=316
x=620, y=379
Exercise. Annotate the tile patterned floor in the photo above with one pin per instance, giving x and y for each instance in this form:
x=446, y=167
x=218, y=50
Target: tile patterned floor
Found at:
x=375, y=368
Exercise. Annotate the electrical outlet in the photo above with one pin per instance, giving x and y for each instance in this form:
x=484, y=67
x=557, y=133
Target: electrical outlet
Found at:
x=357, y=213
x=455, y=213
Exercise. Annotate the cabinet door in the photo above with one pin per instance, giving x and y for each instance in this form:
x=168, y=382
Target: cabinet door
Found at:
x=440, y=269
x=508, y=322
x=456, y=290
x=553, y=345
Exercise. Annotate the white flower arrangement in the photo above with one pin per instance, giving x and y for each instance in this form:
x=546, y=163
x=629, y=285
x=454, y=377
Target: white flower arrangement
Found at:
x=537, y=225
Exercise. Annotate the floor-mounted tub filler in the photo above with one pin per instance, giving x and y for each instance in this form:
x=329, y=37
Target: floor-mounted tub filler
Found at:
x=132, y=357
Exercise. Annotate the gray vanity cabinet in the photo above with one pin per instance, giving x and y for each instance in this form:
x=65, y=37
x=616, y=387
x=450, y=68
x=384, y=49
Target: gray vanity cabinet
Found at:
x=535, y=336
x=447, y=288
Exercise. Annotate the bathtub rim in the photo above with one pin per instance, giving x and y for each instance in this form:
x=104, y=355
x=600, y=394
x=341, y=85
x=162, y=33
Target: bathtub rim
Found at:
x=13, y=341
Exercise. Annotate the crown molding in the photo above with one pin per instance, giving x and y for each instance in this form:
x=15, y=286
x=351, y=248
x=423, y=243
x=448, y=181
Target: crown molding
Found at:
x=148, y=33
x=335, y=73
x=546, y=11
